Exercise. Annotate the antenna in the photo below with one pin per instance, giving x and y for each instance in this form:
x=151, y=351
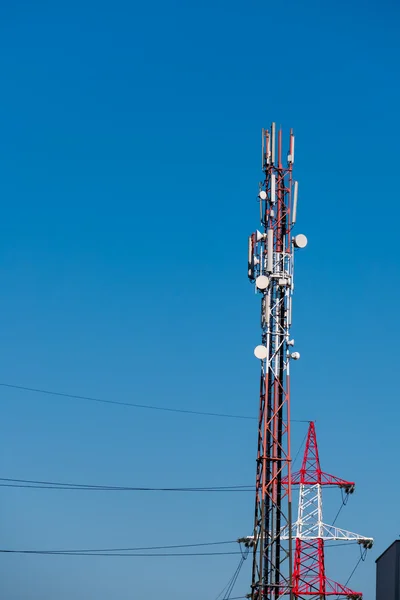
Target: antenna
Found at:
x=263, y=153
x=273, y=143
x=273, y=189
x=274, y=248
x=295, y=195
x=291, y=150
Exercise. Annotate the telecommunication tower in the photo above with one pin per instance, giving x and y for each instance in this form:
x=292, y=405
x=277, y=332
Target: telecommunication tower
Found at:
x=311, y=533
x=270, y=267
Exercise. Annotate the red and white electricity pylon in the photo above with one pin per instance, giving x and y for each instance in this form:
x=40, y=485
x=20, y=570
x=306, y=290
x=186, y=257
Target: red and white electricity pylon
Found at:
x=311, y=533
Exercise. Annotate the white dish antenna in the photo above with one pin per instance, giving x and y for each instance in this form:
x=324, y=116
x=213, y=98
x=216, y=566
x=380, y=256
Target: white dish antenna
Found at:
x=260, y=352
x=262, y=282
x=262, y=195
x=300, y=241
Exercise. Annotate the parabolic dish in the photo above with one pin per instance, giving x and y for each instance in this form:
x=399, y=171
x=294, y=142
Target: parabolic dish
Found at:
x=262, y=282
x=260, y=352
x=300, y=240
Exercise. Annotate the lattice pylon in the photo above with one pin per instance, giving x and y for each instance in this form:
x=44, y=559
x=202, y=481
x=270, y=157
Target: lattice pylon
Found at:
x=310, y=532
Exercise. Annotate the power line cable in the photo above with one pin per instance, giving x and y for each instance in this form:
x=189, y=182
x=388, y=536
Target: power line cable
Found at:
x=56, y=485
x=135, y=549
x=115, y=554
x=354, y=570
x=121, y=403
x=361, y=559
x=338, y=513
x=301, y=445
x=227, y=590
x=133, y=405
x=345, y=499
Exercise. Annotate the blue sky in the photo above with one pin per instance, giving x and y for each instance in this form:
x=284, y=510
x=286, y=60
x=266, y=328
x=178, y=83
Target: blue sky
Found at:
x=130, y=157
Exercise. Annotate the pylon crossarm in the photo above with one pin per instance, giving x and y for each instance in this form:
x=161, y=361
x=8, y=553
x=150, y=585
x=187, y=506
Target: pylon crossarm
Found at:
x=319, y=477
x=331, y=532
x=325, y=532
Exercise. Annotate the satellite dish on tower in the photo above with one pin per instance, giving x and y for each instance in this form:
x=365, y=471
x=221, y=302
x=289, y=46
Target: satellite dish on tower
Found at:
x=262, y=282
x=260, y=352
x=300, y=241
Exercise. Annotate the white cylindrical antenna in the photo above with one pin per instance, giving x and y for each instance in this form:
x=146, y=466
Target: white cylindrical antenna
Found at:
x=272, y=143
x=265, y=309
x=273, y=188
x=291, y=151
x=270, y=250
x=250, y=259
x=262, y=148
x=295, y=195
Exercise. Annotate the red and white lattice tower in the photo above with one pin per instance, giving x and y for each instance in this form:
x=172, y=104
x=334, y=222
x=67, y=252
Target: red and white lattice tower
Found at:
x=311, y=533
x=270, y=267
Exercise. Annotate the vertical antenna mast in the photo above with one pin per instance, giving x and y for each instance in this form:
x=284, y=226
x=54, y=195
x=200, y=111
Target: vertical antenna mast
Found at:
x=270, y=266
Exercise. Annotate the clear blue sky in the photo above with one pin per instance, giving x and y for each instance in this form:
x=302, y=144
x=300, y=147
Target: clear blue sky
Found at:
x=129, y=165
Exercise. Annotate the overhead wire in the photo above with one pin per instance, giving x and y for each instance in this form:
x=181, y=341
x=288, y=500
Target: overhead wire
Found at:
x=56, y=485
x=9, y=482
x=361, y=559
x=354, y=570
x=225, y=593
x=134, y=549
x=132, y=404
x=139, y=551
x=122, y=403
x=300, y=447
x=115, y=554
x=345, y=499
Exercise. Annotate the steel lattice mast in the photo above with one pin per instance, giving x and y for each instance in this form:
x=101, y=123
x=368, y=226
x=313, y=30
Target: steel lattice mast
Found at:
x=270, y=266
x=309, y=578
